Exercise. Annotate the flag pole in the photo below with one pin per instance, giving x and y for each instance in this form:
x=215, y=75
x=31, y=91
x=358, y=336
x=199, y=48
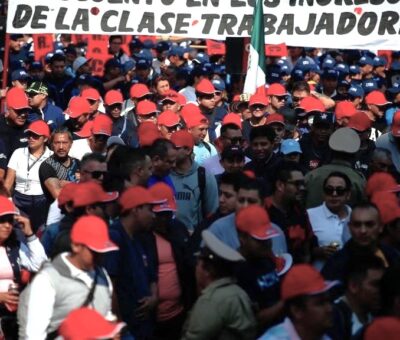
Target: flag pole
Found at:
x=5, y=67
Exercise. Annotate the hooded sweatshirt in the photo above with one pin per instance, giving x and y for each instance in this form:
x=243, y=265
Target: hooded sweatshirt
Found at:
x=187, y=194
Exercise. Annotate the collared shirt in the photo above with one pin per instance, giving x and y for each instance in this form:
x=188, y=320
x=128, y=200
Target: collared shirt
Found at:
x=284, y=331
x=223, y=311
x=327, y=226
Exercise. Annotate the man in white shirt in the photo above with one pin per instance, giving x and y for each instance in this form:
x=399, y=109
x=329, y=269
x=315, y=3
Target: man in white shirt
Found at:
x=70, y=281
x=329, y=220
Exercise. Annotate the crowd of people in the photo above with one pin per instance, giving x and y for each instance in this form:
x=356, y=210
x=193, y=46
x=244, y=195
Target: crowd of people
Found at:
x=159, y=202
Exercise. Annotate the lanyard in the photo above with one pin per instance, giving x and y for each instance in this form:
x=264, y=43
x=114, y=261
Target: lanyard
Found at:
x=29, y=167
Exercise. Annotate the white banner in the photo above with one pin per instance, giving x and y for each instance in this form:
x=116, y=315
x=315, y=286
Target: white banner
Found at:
x=358, y=24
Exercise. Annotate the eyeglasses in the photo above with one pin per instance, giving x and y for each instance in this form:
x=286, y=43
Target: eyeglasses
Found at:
x=298, y=183
x=340, y=191
x=96, y=174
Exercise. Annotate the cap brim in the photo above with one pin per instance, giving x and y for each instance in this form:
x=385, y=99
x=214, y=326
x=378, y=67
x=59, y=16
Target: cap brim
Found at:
x=328, y=285
x=272, y=234
x=110, y=196
x=9, y=212
x=108, y=246
x=395, y=189
x=29, y=130
x=117, y=328
x=288, y=263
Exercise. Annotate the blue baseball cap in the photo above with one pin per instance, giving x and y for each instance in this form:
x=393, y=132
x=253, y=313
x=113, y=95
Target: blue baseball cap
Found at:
x=304, y=64
x=36, y=65
x=201, y=58
x=297, y=74
x=144, y=54
x=219, y=69
x=369, y=85
x=354, y=69
x=328, y=63
x=112, y=63
x=342, y=68
x=162, y=46
x=135, y=43
x=365, y=60
x=395, y=89
x=379, y=61
x=285, y=70
x=142, y=64
x=395, y=66
x=289, y=146
x=20, y=75
x=176, y=50
x=148, y=44
x=344, y=83
x=219, y=84
x=130, y=64
x=330, y=74
x=356, y=91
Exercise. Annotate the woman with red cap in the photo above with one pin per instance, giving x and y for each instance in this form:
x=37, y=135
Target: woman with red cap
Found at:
x=23, y=174
x=16, y=259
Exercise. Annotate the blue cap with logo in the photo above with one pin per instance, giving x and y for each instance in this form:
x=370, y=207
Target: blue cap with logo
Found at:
x=354, y=69
x=379, y=61
x=369, y=85
x=162, y=46
x=342, y=68
x=144, y=54
x=20, y=75
x=289, y=146
x=330, y=74
x=201, y=58
x=356, y=91
x=328, y=63
x=395, y=89
x=365, y=60
x=219, y=84
x=176, y=51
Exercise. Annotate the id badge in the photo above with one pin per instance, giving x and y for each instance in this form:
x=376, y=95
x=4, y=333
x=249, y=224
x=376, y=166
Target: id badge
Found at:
x=27, y=186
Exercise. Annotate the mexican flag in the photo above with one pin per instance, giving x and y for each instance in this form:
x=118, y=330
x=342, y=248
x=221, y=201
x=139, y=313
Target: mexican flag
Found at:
x=255, y=77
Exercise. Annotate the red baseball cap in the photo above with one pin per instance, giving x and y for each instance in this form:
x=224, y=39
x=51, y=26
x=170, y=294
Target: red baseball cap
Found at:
x=205, y=87
x=136, y=196
x=102, y=125
x=7, y=207
x=168, y=118
x=195, y=120
x=381, y=181
x=148, y=133
x=376, y=98
x=171, y=95
x=86, y=323
x=344, y=109
x=310, y=104
x=146, y=107
x=67, y=193
x=139, y=91
x=232, y=118
x=276, y=90
x=113, y=97
x=258, y=99
x=162, y=191
x=254, y=220
x=87, y=193
x=182, y=138
x=303, y=279
x=17, y=99
x=275, y=118
x=86, y=130
x=359, y=122
x=189, y=110
x=90, y=93
x=388, y=206
x=385, y=328
x=92, y=232
x=77, y=106
x=396, y=124
x=40, y=128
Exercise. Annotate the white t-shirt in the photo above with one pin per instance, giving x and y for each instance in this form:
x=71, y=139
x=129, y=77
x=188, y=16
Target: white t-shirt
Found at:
x=27, y=182
x=79, y=148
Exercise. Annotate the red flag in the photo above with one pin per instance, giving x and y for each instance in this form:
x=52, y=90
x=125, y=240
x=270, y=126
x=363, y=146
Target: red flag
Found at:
x=43, y=44
x=97, y=50
x=215, y=47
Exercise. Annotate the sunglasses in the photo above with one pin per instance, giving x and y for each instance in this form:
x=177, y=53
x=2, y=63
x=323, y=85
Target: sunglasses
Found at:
x=281, y=98
x=217, y=93
x=92, y=101
x=207, y=97
x=296, y=99
x=7, y=219
x=173, y=128
x=32, y=94
x=258, y=107
x=235, y=140
x=340, y=191
x=33, y=136
x=21, y=112
x=96, y=174
x=168, y=102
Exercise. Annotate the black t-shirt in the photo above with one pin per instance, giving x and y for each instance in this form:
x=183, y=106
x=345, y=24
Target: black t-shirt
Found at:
x=313, y=156
x=259, y=280
x=12, y=138
x=53, y=168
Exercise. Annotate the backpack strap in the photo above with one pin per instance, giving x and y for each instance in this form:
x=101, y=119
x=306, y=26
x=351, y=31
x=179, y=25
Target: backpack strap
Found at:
x=207, y=146
x=201, y=178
